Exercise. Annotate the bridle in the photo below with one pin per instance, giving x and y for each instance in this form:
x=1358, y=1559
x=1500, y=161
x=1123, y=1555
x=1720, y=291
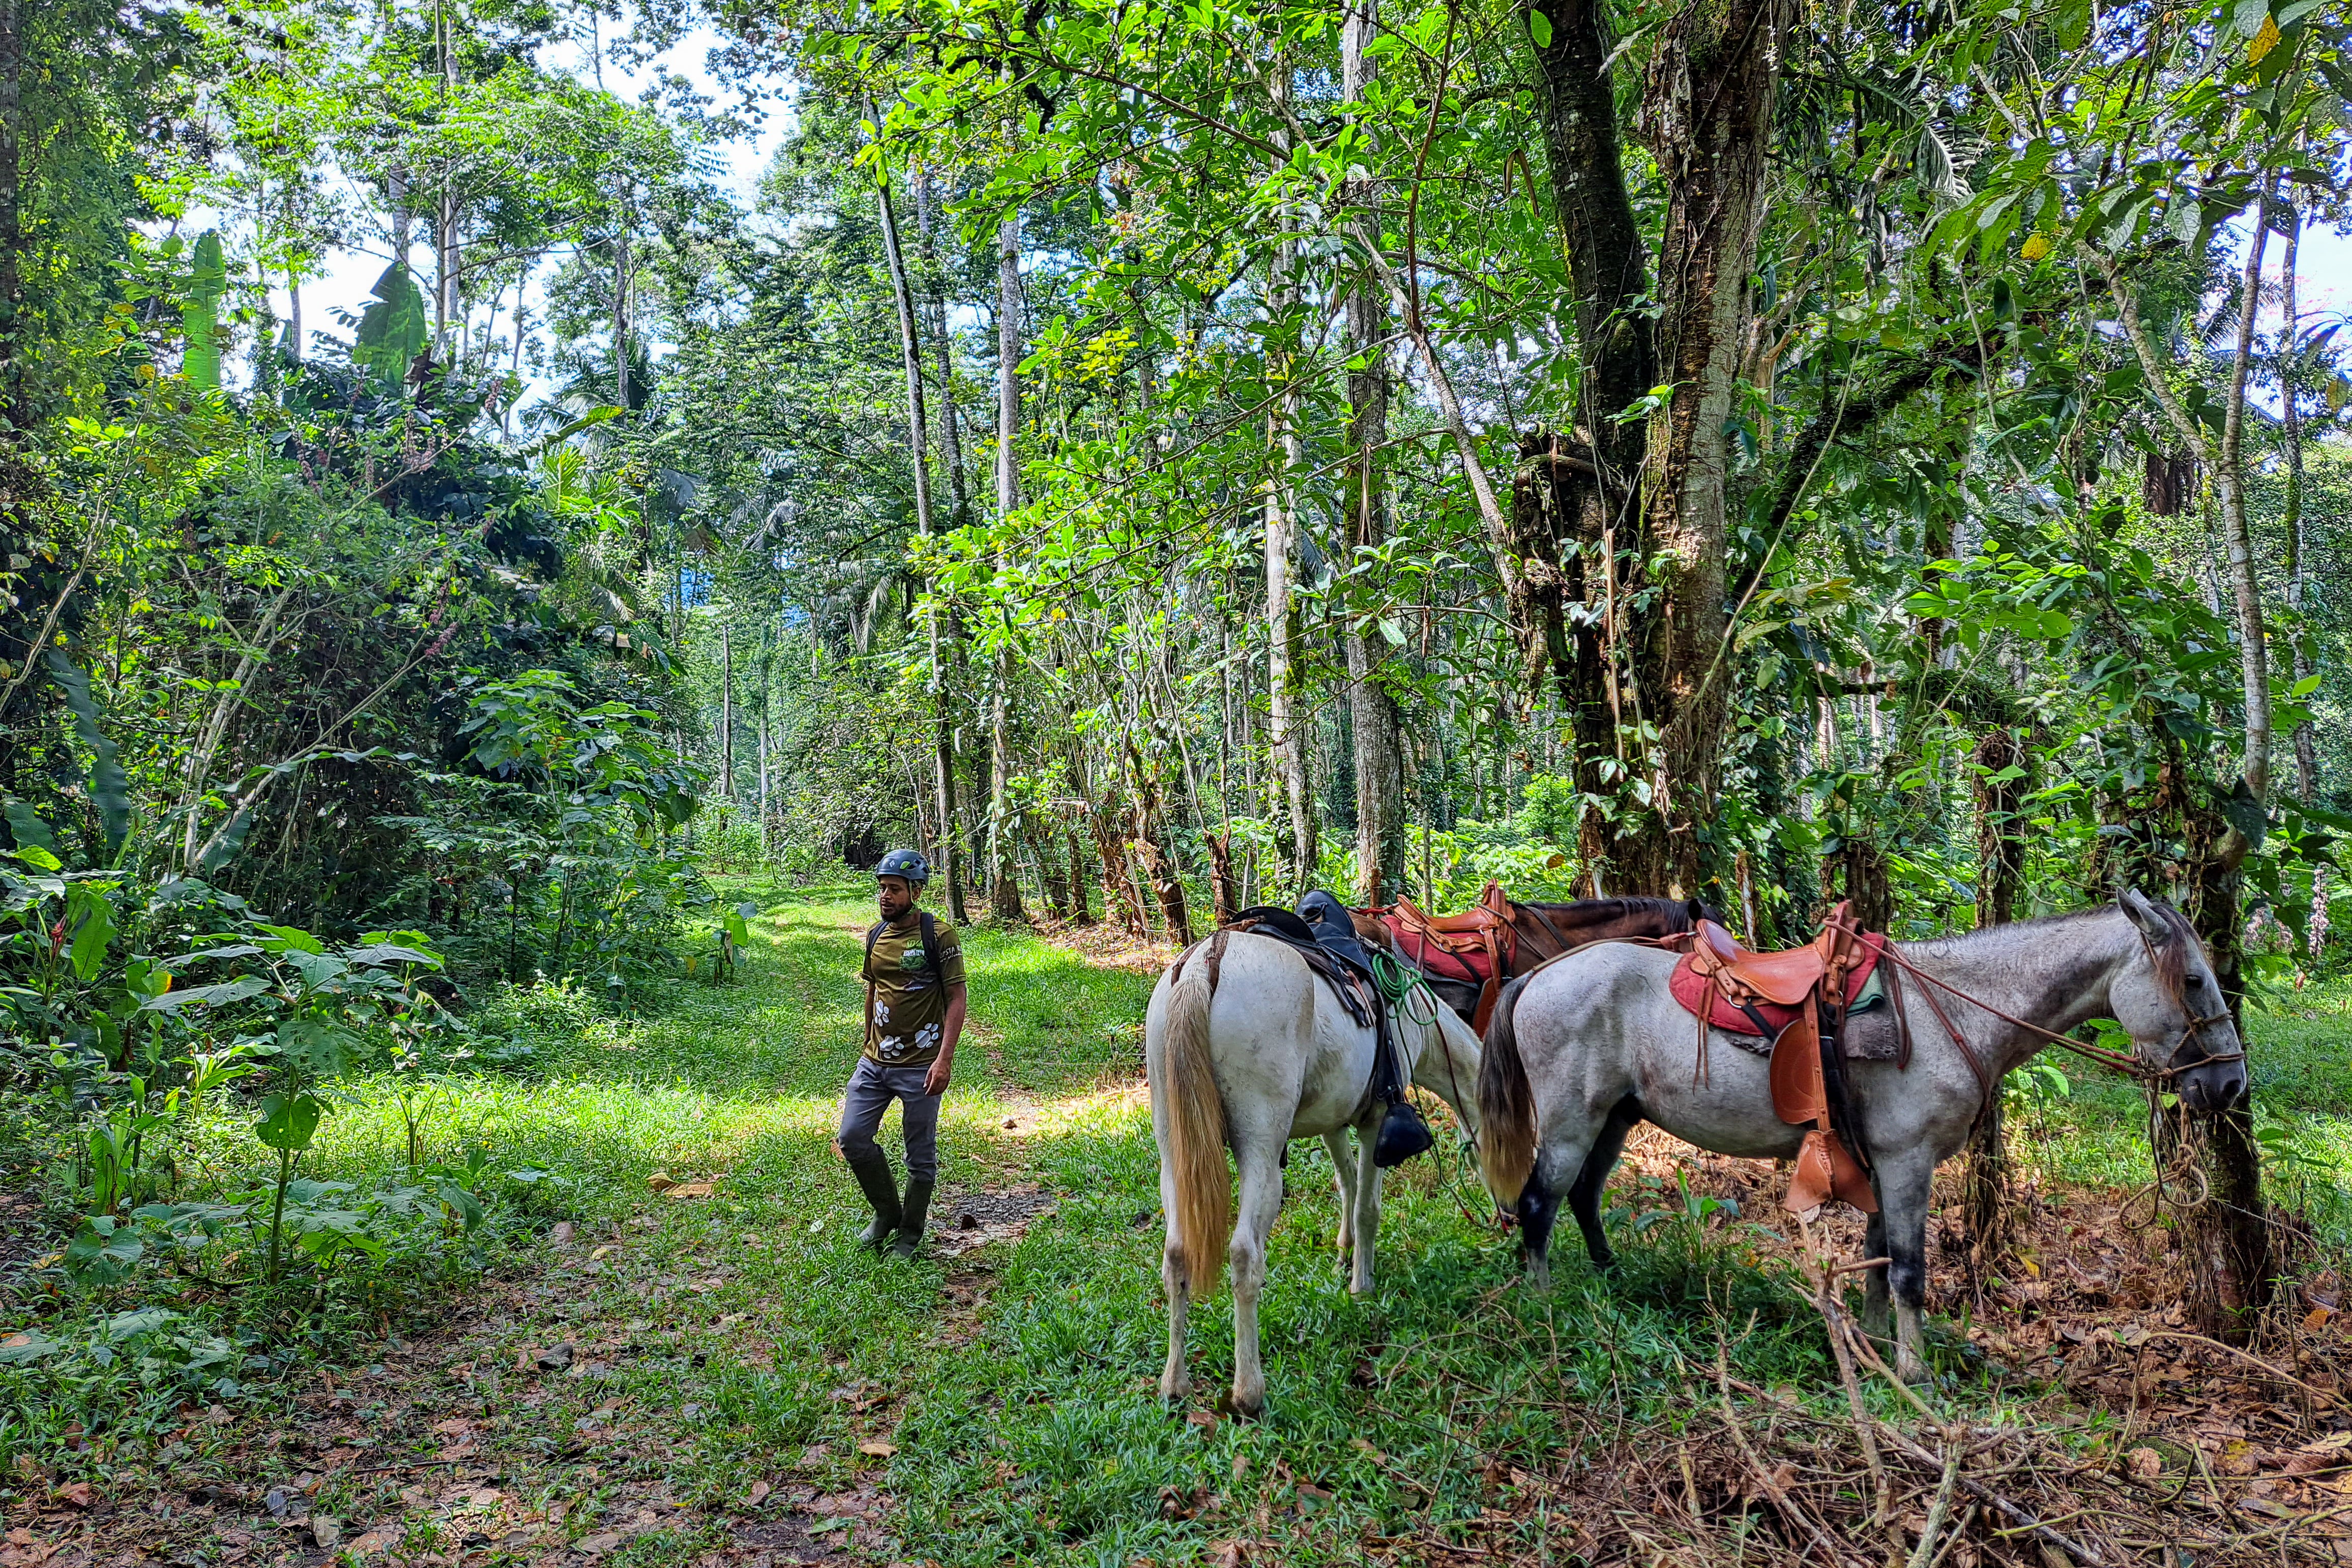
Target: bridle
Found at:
x=2125, y=1063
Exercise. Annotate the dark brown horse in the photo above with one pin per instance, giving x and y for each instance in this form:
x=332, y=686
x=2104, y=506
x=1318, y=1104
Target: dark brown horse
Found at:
x=1467, y=956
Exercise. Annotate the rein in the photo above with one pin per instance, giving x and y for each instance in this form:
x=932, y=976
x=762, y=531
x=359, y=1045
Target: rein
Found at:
x=2120, y=1061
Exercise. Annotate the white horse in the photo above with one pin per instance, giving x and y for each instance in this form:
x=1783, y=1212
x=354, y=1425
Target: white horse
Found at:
x=1264, y=1055
x=1593, y=1045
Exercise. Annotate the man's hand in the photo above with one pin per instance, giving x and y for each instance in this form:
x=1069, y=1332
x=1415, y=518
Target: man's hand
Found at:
x=936, y=1081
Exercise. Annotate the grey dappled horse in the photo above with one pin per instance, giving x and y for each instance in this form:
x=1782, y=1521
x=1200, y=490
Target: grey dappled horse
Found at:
x=1262, y=1055
x=1591, y=1046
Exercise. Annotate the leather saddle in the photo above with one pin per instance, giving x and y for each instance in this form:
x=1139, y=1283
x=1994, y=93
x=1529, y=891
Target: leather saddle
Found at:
x=1798, y=999
x=1476, y=948
x=1320, y=933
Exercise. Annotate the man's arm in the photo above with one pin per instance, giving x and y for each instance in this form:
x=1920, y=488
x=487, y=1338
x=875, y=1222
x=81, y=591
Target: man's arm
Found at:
x=943, y=1067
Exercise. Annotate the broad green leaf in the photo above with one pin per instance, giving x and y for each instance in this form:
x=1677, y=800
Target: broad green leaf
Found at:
x=90, y=914
x=17, y=1349
x=102, y=1252
x=1539, y=28
x=109, y=787
x=393, y=330
x=199, y=313
x=321, y=1045
x=30, y=830
x=239, y=989
x=288, y=1121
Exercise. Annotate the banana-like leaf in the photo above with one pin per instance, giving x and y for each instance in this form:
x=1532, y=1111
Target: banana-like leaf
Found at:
x=593, y=417
x=109, y=787
x=199, y=313
x=393, y=330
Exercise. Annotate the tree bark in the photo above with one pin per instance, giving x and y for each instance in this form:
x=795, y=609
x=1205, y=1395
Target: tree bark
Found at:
x=911, y=354
x=1379, y=760
x=1707, y=115
x=1081, y=912
x=621, y=319
x=936, y=312
x=2306, y=745
x=1292, y=805
x=1608, y=269
x=2253, y=658
x=726, y=710
x=2226, y=1238
x=2001, y=877
x=1225, y=891
x=12, y=215
x=1004, y=880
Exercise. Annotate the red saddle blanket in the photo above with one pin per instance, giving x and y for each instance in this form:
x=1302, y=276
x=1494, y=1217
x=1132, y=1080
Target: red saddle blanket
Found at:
x=1691, y=989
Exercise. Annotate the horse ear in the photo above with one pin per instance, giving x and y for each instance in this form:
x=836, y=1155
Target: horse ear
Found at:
x=2146, y=915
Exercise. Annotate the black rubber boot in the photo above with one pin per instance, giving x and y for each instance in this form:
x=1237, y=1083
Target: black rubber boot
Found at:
x=912, y=1217
x=872, y=1168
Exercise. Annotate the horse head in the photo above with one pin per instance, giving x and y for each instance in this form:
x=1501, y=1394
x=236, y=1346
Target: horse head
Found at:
x=2170, y=1002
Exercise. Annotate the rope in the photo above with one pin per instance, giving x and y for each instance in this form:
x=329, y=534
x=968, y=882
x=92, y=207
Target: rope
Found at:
x=2114, y=1060
x=1399, y=982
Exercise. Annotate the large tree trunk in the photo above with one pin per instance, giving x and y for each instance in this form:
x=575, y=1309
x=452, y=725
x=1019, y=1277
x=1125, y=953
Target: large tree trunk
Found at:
x=1606, y=258
x=1292, y=809
x=12, y=215
x=911, y=354
x=1706, y=114
x=1379, y=760
x=2307, y=746
x=726, y=711
x=2227, y=1238
x=2001, y=877
x=1081, y=913
x=1003, y=879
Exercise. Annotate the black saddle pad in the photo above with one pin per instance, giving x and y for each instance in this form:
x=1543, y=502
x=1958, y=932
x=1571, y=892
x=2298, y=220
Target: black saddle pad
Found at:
x=1327, y=918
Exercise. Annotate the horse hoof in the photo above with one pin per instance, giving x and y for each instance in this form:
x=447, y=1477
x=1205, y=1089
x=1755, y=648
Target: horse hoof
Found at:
x=1173, y=1389
x=1241, y=1409
x=1911, y=1369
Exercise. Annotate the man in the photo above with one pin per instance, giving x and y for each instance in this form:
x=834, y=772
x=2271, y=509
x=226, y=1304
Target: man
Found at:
x=914, y=1013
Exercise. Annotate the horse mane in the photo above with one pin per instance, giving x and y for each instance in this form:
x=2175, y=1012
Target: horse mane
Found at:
x=2169, y=957
x=1675, y=911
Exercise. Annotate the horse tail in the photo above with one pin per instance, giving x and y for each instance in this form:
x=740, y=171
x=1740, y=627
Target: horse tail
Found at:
x=1506, y=1103
x=1196, y=1133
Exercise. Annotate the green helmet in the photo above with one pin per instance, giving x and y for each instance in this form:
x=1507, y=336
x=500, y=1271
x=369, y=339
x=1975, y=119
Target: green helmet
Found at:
x=908, y=864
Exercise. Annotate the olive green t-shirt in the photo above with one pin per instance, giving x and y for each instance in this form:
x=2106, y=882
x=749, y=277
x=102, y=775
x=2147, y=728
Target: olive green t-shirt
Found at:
x=910, y=1012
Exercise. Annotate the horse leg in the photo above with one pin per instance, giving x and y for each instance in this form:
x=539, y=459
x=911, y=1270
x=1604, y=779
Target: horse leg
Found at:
x=1367, y=1219
x=1584, y=1197
x=1561, y=1159
x=1903, y=1196
x=1336, y=1141
x=1873, y=1291
x=1176, y=1378
x=1261, y=1199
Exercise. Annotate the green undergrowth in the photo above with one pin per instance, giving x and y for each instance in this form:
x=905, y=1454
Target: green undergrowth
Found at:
x=2300, y=1061
x=743, y=1337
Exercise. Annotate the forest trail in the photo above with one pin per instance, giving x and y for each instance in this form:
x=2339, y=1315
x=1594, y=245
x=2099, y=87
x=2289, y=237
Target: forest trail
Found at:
x=700, y=1367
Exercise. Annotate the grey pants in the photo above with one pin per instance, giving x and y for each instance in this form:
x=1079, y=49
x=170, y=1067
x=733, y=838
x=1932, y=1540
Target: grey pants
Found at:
x=871, y=1088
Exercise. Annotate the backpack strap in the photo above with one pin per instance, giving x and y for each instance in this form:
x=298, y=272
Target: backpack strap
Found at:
x=866, y=973
x=931, y=948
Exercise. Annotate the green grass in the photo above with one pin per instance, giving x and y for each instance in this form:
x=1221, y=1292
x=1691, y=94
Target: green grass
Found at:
x=2299, y=1058
x=746, y=1337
